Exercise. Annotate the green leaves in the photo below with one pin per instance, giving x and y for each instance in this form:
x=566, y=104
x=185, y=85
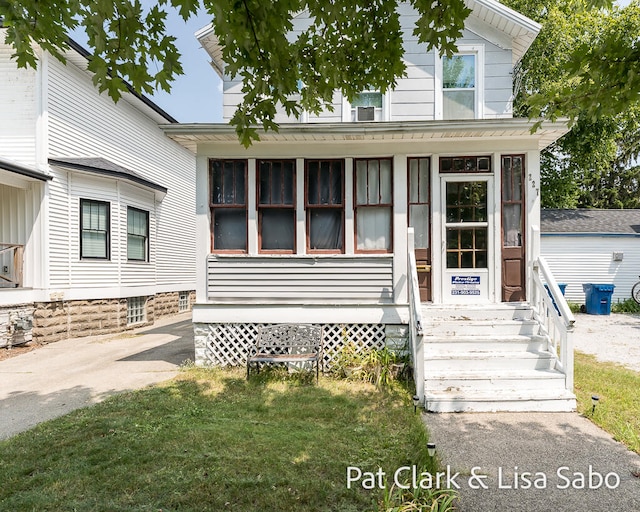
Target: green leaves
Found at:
x=347, y=46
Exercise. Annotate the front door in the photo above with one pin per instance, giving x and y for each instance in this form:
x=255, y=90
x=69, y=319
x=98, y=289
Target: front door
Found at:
x=467, y=236
x=419, y=219
x=513, y=239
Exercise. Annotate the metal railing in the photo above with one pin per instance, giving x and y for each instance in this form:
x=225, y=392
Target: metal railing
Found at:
x=11, y=257
x=555, y=318
x=415, y=317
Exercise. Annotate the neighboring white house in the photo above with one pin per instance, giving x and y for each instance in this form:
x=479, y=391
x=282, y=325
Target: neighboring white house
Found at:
x=311, y=224
x=96, y=205
x=592, y=246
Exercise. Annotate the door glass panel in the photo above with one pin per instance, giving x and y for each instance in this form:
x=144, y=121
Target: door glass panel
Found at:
x=419, y=219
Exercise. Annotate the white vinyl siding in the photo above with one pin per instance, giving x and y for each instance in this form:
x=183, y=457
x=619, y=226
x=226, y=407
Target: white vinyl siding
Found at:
x=85, y=124
x=336, y=279
x=579, y=259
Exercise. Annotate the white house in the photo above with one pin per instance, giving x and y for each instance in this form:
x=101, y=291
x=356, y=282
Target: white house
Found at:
x=592, y=246
x=311, y=224
x=96, y=205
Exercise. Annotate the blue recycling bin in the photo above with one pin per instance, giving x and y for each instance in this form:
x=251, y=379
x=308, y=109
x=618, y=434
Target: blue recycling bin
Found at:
x=563, y=287
x=598, y=298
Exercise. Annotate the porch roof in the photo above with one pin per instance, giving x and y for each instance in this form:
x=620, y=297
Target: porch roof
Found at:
x=23, y=170
x=190, y=135
x=105, y=167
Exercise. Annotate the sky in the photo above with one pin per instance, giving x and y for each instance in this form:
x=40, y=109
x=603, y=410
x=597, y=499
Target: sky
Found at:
x=196, y=96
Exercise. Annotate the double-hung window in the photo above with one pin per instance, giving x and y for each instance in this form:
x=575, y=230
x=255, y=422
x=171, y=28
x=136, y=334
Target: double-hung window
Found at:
x=374, y=204
x=276, y=205
x=460, y=86
x=228, y=204
x=137, y=234
x=324, y=203
x=94, y=229
x=367, y=106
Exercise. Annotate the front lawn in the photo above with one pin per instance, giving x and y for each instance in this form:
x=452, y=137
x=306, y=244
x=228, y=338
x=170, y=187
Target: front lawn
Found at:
x=210, y=440
x=618, y=410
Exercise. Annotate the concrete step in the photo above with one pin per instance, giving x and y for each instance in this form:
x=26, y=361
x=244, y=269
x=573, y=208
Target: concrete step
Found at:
x=502, y=360
x=483, y=380
x=506, y=400
x=506, y=311
x=459, y=327
x=484, y=343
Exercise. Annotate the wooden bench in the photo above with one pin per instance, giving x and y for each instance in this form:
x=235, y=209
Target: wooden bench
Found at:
x=287, y=343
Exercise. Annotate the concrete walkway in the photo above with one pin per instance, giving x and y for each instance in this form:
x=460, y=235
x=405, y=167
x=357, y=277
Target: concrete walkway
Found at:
x=66, y=375
x=572, y=465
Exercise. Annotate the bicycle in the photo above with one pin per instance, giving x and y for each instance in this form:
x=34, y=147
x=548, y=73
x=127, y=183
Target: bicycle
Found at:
x=635, y=292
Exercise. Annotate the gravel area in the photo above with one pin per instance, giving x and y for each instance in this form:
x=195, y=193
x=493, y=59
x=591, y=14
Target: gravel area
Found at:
x=614, y=338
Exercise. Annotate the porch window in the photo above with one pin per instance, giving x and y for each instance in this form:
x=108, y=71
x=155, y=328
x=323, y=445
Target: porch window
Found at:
x=467, y=224
x=228, y=203
x=512, y=201
x=367, y=106
x=137, y=234
x=419, y=197
x=94, y=229
x=374, y=204
x=324, y=203
x=459, y=86
x=465, y=164
x=276, y=205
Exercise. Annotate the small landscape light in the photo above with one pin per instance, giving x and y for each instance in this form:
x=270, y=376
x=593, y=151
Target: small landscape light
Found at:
x=416, y=402
x=431, y=449
x=594, y=401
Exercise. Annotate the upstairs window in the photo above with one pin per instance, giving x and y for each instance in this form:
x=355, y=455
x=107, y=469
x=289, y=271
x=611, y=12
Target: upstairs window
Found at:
x=94, y=229
x=228, y=203
x=459, y=87
x=276, y=205
x=137, y=234
x=367, y=106
x=324, y=203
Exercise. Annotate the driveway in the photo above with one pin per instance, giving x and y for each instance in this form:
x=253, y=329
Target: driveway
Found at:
x=59, y=377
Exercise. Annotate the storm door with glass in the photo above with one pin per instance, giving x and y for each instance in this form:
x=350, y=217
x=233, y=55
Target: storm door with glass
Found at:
x=467, y=239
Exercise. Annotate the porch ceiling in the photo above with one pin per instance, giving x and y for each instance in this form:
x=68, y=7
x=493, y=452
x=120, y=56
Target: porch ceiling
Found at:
x=191, y=135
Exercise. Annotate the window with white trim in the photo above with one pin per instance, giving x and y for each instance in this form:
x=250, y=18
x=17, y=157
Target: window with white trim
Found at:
x=459, y=86
x=137, y=234
x=94, y=229
x=367, y=106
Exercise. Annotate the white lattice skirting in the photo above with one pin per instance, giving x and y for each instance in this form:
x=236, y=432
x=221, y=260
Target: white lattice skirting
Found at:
x=229, y=344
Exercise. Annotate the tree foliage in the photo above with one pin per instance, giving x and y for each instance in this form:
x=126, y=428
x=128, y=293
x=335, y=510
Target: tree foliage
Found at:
x=349, y=45
x=590, y=166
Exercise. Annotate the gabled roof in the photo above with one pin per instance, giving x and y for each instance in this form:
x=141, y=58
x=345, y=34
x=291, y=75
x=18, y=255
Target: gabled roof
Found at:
x=104, y=167
x=590, y=221
x=516, y=30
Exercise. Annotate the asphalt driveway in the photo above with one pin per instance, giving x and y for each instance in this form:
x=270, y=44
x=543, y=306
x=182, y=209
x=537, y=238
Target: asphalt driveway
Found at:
x=59, y=377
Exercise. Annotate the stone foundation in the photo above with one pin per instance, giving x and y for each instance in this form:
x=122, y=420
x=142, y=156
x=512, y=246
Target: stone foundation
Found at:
x=16, y=325
x=53, y=321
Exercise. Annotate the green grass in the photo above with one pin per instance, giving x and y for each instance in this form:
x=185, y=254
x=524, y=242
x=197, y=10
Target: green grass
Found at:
x=618, y=410
x=210, y=440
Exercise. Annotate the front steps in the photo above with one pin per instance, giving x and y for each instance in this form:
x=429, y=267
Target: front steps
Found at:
x=489, y=358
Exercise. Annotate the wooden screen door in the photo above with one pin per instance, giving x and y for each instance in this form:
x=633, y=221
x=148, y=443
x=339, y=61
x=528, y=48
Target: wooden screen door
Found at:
x=419, y=218
x=513, y=235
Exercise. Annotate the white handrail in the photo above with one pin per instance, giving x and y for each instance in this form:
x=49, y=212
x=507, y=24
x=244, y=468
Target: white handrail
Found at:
x=415, y=317
x=555, y=317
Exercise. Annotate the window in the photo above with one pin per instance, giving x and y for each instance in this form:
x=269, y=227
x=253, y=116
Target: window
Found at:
x=136, y=310
x=324, y=203
x=94, y=229
x=466, y=224
x=464, y=164
x=367, y=106
x=419, y=198
x=183, y=301
x=459, y=84
x=228, y=203
x=373, y=206
x=512, y=200
x=137, y=234
x=276, y=205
